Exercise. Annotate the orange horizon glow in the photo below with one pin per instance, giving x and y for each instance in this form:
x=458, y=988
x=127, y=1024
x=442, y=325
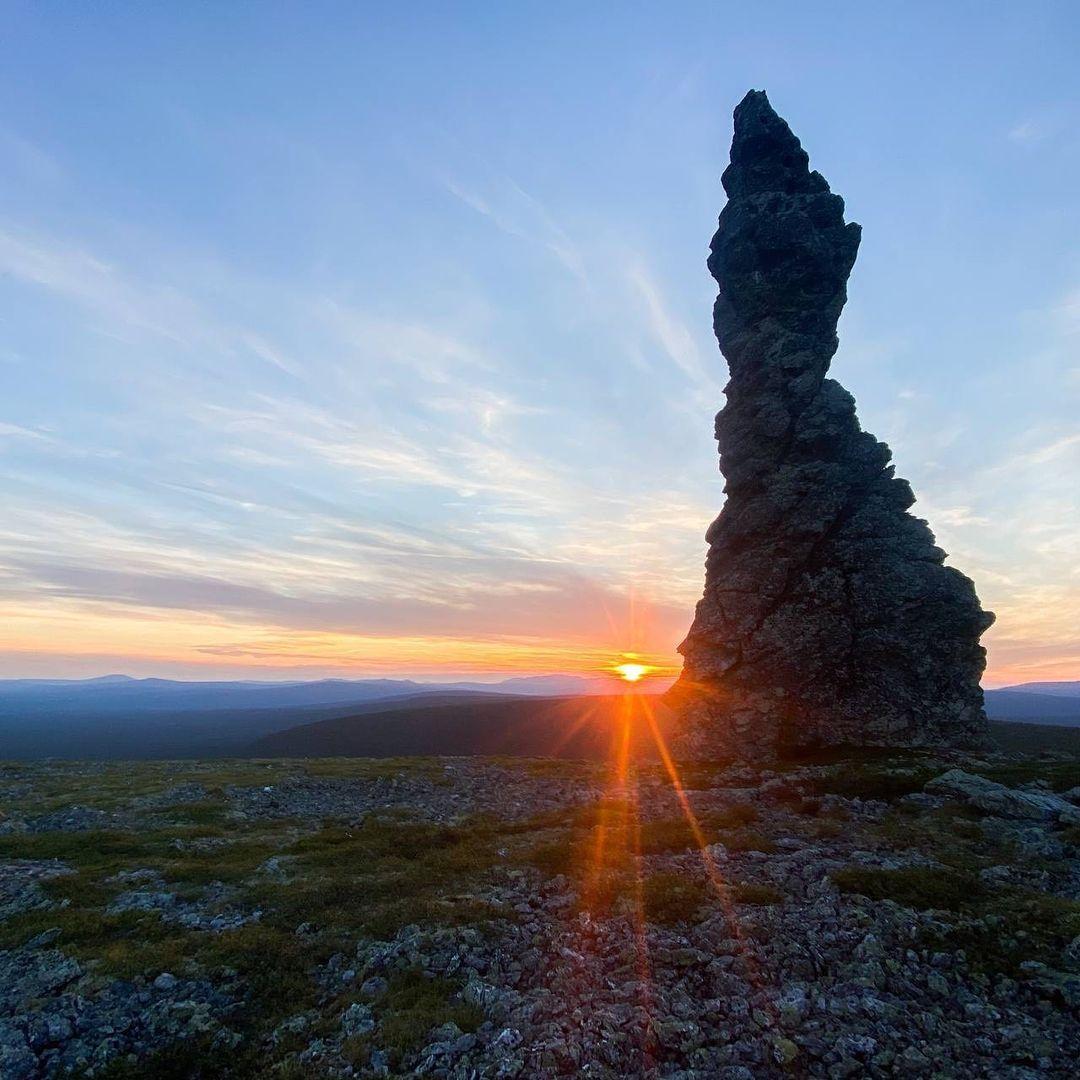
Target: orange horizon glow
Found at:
x=86, y=638
x=66, y=638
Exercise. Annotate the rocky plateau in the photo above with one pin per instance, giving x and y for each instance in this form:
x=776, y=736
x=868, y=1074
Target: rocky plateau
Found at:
x=891, y=914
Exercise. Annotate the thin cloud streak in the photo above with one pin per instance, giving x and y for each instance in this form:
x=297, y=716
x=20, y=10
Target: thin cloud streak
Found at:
x=522, y=216
x=673, y=337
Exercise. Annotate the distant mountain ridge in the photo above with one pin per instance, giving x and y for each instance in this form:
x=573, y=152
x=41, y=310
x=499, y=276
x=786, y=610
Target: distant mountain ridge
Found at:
x=577, y=727
x=117, y=716
x=123, y=691
x=1055, y=689
x=1056, y=703
x=1021, y=705
x=585, y=726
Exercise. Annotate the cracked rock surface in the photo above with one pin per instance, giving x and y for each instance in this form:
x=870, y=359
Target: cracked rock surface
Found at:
x=828, y=615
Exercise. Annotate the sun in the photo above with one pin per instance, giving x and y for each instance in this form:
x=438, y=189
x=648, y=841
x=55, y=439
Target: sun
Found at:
x=631, y=672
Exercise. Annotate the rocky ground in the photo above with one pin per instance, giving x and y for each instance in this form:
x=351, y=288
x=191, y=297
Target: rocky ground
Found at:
x=874, y=916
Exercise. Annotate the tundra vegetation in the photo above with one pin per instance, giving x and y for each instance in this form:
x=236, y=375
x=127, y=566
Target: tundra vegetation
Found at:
x=854, y=911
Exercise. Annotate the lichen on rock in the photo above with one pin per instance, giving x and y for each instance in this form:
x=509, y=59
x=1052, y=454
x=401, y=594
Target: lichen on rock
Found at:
x=828, y=615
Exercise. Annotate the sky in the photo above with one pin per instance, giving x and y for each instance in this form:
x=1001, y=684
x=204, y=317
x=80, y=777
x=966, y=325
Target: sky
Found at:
x=347, y=339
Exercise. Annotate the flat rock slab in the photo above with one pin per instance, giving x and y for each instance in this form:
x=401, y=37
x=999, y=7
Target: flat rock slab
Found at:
x=1003, y=801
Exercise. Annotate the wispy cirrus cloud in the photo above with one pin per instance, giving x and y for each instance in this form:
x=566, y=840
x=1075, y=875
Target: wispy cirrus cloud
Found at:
x=1068, y=311
x=672, y=335
x=1039, y=126
x=74, y=274
x=21, y=154
x=17, y=431
x=517, y=213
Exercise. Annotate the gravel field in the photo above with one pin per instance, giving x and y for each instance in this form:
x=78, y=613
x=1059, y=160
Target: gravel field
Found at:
x=911, y=915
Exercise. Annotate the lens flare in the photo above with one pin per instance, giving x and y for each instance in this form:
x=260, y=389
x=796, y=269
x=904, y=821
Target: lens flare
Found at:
x=632, y=672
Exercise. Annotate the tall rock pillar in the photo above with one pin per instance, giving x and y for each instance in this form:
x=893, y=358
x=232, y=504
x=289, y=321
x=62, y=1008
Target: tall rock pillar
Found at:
x=828, y=615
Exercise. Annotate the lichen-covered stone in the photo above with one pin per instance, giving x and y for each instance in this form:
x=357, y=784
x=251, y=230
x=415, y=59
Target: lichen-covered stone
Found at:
x=828, y=614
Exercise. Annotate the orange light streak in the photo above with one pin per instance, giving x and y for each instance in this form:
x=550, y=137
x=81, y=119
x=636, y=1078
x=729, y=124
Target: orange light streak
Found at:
x=712, y=871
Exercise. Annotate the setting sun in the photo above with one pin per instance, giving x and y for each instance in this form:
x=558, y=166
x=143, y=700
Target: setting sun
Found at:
x=631, y=672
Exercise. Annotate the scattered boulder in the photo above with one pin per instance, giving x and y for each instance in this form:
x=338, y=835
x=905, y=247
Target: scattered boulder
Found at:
x=1002, y=801
x=20, y=885
x=357, y=1020
x=374, y=988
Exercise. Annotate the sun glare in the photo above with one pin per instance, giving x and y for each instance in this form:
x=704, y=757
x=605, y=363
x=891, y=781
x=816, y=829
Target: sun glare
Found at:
x=631, y=672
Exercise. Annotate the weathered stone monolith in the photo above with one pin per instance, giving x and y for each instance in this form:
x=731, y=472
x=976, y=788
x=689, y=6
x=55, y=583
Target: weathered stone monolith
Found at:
x=828, y=616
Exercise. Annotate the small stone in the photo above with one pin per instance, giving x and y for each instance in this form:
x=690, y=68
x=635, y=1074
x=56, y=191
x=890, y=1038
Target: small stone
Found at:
x=1071, y=952
x=785, y=1051
x=357, y=1020
x=912, y=1058
x=372, y=989
x=507, y=1039
x=165, y=981
x=464, y=1043
x=44, y=939
x=447, y=1032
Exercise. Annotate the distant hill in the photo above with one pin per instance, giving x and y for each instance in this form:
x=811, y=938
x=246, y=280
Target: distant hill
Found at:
x=120, y=717
x=1029, y=738
x=141, y=734
x=1013, y=704
x=1055, y=689
x=581, y=727
x=587, y=728
x=117, y=716
x=115, y=693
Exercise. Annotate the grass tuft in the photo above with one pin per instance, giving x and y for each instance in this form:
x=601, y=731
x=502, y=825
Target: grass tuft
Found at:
x=877, y=780
x=748, y=892
x=414, y=1005
x=673, y=898
x=924, y=887
x=747, y=840
x=999, y=935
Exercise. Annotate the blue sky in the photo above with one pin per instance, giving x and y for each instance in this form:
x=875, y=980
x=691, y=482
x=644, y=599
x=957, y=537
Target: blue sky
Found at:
x=349, y=338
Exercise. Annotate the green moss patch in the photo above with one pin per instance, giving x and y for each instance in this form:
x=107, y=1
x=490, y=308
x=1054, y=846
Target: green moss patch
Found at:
x=382, y=874
x=673, y=898
x=924, y=887
x=883, y=780
x=748, y=892
x=415, y=1004
x=746, y=840
x=1010, y=928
